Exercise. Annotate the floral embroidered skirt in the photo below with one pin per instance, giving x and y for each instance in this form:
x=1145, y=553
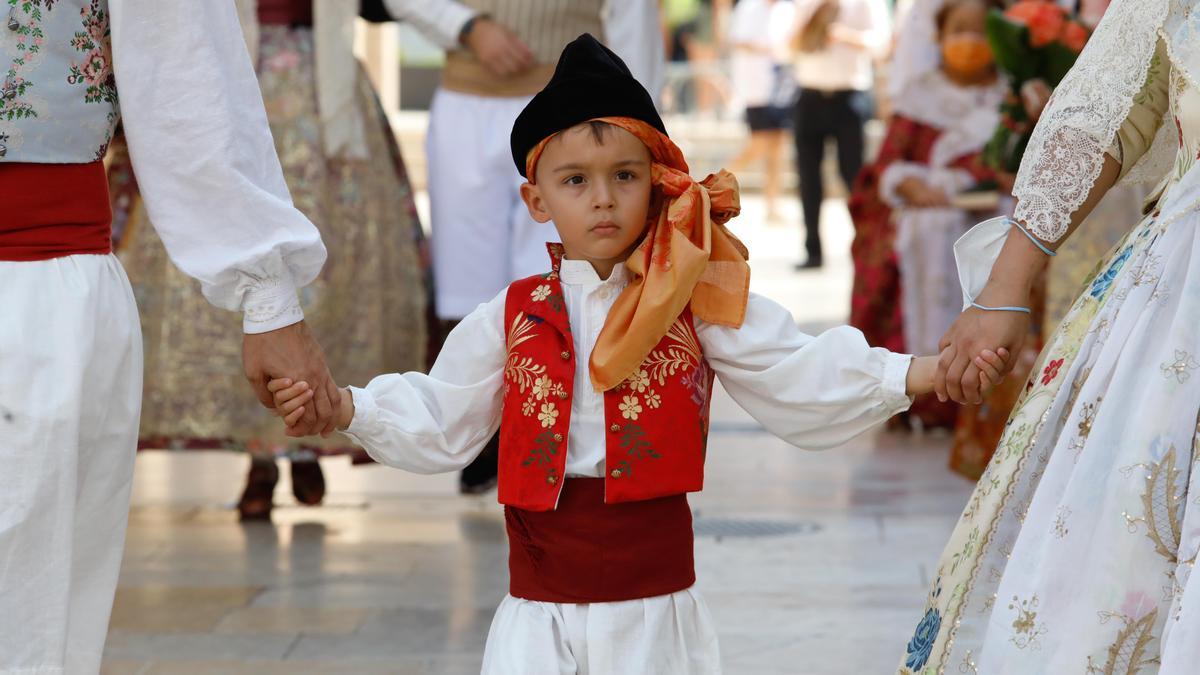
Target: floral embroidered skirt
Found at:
x=367, y=309
x=1075, y=551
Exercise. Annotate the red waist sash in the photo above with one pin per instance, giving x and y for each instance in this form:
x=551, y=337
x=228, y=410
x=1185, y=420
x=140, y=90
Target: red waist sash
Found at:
x=587, y=551
x=53, y=210
x=285, y=12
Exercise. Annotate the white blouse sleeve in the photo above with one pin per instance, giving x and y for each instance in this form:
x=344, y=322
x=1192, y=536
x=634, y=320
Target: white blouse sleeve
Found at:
x=205, y=160
x=813, y=392
x=438, y=422
x=441, y=21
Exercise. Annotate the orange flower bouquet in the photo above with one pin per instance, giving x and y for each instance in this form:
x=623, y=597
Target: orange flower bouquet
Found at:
x=1032, y=40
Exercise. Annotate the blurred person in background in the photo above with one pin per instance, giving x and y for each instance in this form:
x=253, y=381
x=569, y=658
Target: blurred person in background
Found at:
x=344, y=171
x=836, y=44
x=946, y=96
x=759, y=37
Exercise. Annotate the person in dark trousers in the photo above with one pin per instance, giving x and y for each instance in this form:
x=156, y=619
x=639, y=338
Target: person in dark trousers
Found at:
x=836, y=43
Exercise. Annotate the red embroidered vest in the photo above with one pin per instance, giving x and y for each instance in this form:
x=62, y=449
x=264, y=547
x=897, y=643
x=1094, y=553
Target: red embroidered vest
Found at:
x=656, y=422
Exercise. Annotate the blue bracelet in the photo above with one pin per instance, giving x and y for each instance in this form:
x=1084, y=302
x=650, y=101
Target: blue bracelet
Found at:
x=1023, y=310
x=1032, y=238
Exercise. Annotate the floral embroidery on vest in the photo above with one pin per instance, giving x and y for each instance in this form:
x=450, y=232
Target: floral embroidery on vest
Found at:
x=30, y=39
x=683, y=357
x=58, y=93
x=96, y=70
x=659, y=413
x=523, y=373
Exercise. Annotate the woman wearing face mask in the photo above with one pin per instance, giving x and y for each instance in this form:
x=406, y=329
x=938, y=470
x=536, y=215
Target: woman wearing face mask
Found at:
x=946, y=95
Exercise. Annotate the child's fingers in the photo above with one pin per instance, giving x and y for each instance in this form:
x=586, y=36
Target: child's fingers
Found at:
x=990, y=371
x=292, y=418
x=993, y=359
x=281, y=383
x=284, y=395
x=288, y=406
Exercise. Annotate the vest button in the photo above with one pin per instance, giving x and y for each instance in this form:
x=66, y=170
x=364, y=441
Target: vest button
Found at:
x=615, y=428
x=616, y=473
x=552, y=479
x=565, y=356
x=558, y=438
x=562, y=395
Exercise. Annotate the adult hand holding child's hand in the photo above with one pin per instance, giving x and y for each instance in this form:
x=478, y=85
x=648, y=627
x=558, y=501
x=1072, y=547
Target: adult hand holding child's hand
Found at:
x=975, y=330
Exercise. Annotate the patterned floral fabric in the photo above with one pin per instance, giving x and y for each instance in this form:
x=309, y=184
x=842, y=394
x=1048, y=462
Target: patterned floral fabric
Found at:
x=55, y=55
x=1075, y=552
x=367, y=308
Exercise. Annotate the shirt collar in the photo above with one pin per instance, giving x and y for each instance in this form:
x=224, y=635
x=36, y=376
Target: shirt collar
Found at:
x=581, y=273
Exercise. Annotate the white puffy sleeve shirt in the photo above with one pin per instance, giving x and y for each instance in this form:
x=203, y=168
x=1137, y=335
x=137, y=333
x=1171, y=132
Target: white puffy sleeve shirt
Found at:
x=205, y=160
x=813, y=392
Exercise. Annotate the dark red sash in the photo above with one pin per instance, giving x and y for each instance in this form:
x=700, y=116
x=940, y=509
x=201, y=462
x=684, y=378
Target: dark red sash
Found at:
x=53, y=210
x=285, y=12
x=588, y=551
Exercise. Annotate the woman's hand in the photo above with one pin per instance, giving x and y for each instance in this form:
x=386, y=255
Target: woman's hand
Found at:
x=975, y=331
x=1035, y=95
x=918, y=193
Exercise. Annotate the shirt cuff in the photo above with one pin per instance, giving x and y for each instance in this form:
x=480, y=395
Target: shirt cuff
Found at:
x=268, y=304
x=453, y=21
x=895, y=383
x=365, y=415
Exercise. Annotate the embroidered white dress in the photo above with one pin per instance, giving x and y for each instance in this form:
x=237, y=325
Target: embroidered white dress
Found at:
x=814, y=392
x=1075, y=553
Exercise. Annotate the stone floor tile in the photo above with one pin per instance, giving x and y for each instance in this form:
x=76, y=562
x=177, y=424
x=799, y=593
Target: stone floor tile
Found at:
x=176, y=609
x=292, y=620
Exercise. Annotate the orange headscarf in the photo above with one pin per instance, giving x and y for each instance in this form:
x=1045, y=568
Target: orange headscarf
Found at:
x=687, y=256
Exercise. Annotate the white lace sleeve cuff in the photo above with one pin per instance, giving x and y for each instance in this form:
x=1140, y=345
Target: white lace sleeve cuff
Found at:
x=268, y=304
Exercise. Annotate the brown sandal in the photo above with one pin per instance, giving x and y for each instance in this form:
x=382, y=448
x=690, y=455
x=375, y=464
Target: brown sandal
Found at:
x=258, y=497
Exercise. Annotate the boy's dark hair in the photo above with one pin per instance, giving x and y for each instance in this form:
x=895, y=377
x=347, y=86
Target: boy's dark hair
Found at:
x=599, y=131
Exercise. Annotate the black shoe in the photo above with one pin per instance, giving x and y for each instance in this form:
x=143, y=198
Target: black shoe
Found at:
x=810, y=264
x=256, y=500
x=308, y=482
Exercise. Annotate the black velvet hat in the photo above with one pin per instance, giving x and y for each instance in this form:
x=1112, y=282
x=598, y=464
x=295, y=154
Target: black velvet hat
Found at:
x=590, y=81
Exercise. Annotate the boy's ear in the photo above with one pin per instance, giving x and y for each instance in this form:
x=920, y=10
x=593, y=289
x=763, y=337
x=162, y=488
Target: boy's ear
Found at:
x=532, y=196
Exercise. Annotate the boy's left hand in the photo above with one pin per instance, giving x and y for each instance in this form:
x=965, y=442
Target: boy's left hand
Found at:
x=992, y=367
x=290, y=399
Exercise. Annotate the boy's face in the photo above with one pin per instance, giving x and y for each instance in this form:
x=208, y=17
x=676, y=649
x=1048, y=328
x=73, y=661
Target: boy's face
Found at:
x=596, y=190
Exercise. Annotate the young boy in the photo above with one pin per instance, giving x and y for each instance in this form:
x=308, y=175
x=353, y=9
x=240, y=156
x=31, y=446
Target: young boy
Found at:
x=599, y=374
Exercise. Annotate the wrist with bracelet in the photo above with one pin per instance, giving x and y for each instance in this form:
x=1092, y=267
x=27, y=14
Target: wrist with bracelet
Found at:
x=1036, y=242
